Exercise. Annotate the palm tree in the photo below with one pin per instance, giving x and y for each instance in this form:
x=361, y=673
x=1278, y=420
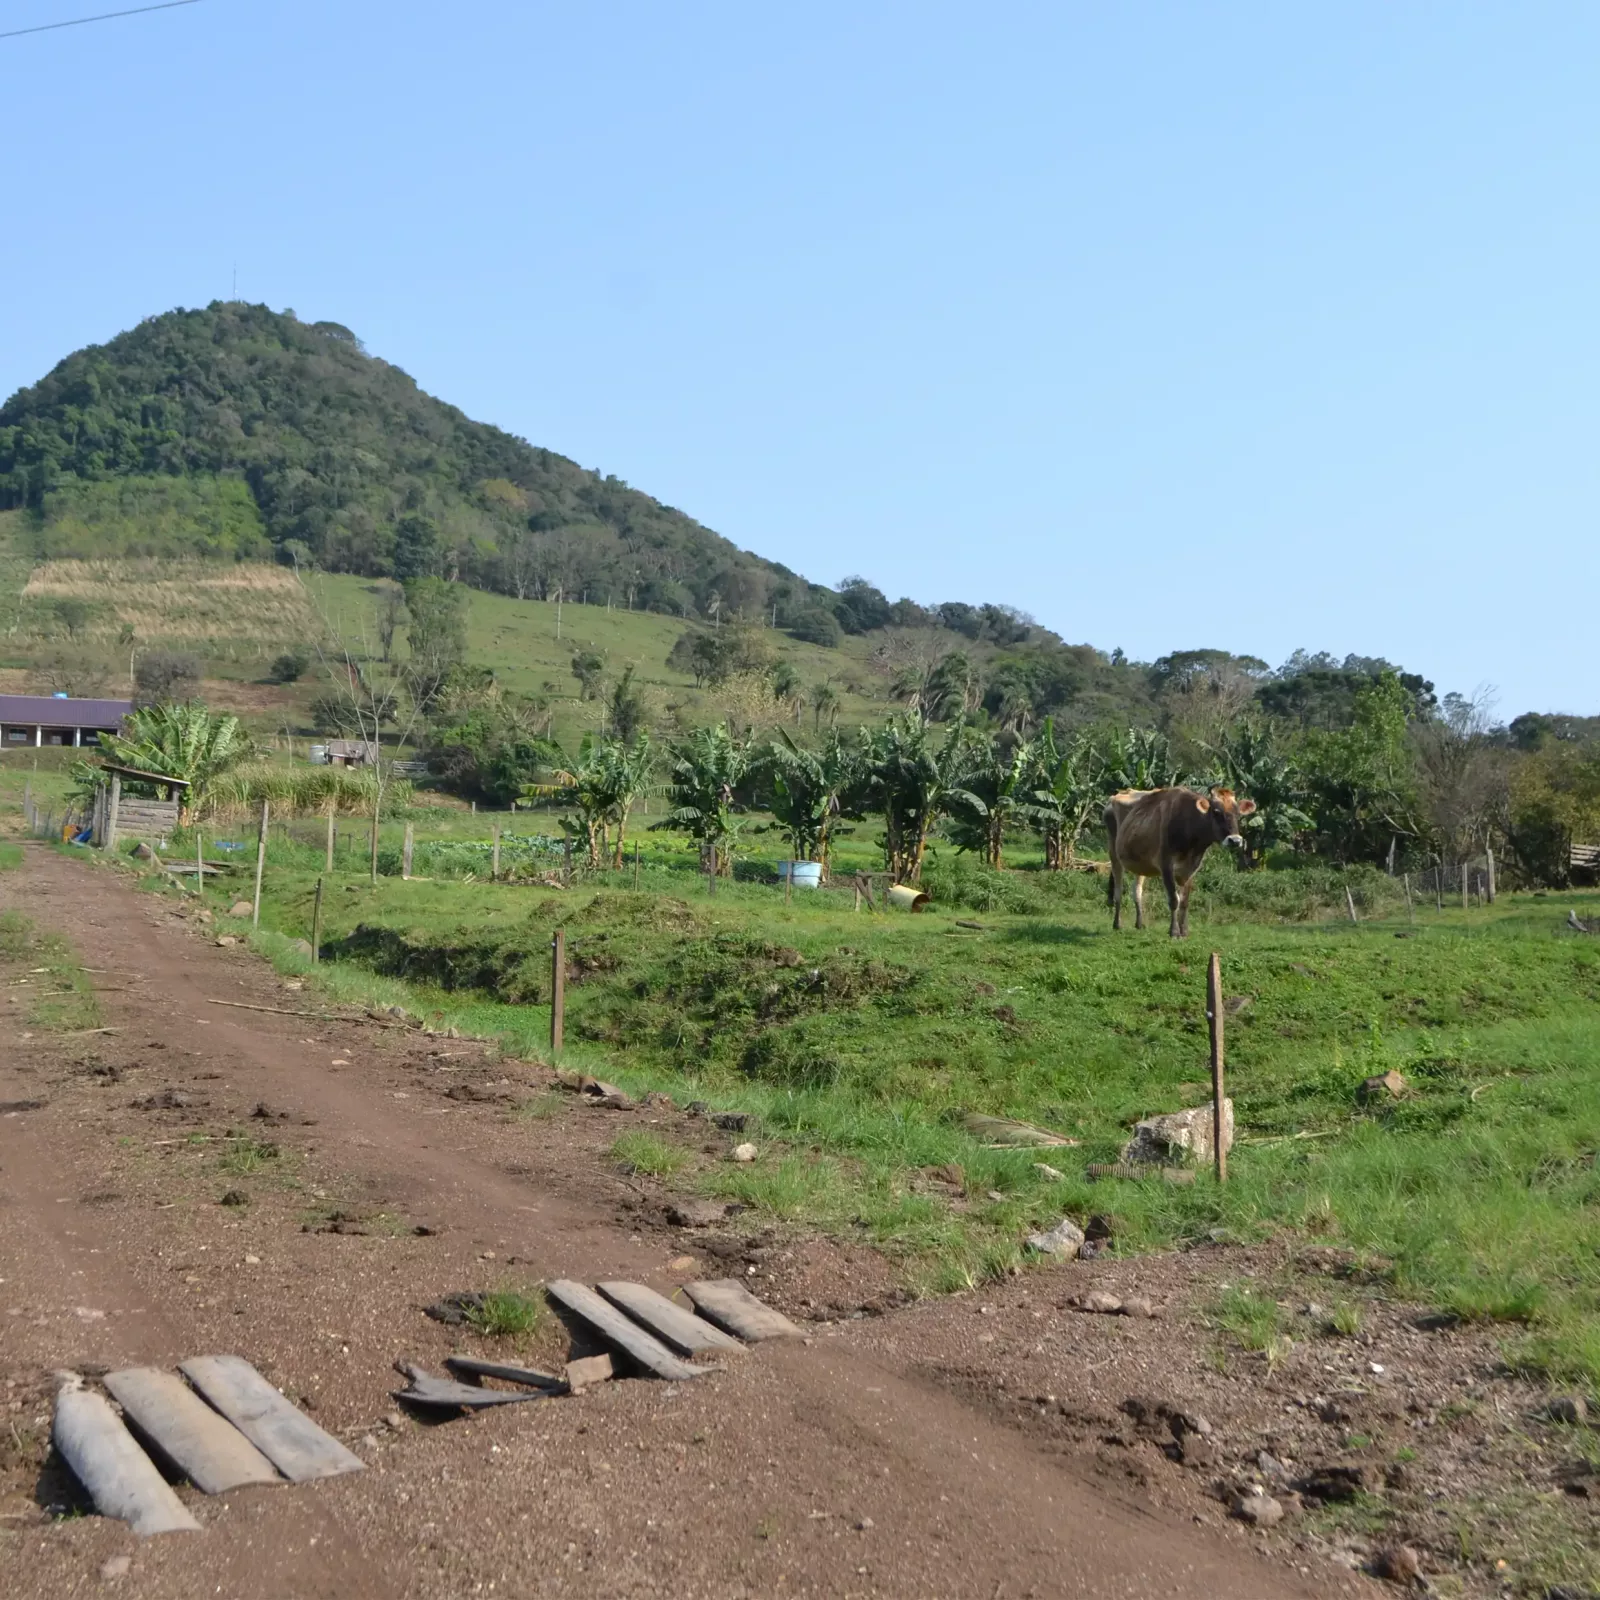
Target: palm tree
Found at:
x=824, y=703
x=913, y=783
x=706, y=768
x=811, y=790
x=180, y=741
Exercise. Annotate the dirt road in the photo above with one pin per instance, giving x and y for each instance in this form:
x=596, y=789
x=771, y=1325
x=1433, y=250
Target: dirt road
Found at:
x=369, y=1170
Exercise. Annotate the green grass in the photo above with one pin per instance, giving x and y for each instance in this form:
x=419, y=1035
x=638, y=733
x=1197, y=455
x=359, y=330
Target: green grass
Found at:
x=1345, y=1320
x=858, y=1040
x=506, y=1314
x=246, y=1156
x=649, y=1154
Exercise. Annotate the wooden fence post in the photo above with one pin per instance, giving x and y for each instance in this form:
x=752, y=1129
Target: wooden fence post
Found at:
x=115, y=805
x=1463, y=886
x=316, y=926
x=1411, y=910
x=1350, y=900
x=199, y=862
x=406, y=850
x=375, y=810
x=558, y=989
x=788, y=882
x=261, y=861
x=327, y=854
x=1438, y=888
x=1489, y=886
x=636, y=863
x=1214, y=1016
x=494, y=860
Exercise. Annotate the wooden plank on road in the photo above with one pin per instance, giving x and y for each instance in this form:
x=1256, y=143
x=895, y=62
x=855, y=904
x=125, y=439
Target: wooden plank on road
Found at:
x=616, y=1329
x=730, y=1305
x=471, y=1367
x=289, y=1439
x=686, y=1333
x=210, y=1451
x=428, y=1390
x=121, y=1479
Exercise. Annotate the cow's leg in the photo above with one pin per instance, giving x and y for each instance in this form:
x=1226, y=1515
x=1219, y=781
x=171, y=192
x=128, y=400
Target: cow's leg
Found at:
x=1116, y=893
x=1138, y=901
x=1175, y=928
x=1184, y=887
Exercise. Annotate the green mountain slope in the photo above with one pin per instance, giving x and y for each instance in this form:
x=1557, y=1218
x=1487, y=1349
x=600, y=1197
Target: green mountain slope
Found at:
x=239, y=431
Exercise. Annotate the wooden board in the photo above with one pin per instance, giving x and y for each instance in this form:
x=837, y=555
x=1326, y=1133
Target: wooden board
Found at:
x=207, y=1448
x=121, y=1479
x=682, y=1330
x=730, y=1305
x=289, y=1439
x=612, y=1326
x=471, y=1367
x=427, y=1390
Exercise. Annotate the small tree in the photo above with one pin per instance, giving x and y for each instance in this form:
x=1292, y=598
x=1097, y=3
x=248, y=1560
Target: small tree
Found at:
x=164, y=676
x=288, y=667
x=73, y=614
x=391, y=614
x=588, y=667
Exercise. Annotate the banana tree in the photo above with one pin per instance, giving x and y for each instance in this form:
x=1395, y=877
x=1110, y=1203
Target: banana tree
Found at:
x=630, y=769
x=995, y=793
x=1070, y=788
x=180, y=741
x=704, y=771
x=914, y=783
x=811, y=790
x=1254, y=765
x=588, y=785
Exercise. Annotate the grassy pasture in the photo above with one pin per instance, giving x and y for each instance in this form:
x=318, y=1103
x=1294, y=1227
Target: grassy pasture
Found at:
x=859, y=1039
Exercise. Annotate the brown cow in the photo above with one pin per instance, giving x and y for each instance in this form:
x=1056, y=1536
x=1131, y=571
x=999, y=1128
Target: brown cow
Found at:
x=1166, y=833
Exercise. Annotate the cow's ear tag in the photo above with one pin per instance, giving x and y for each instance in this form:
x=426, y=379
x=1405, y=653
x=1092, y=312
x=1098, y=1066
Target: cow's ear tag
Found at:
x=1201, y=803
x=1246, y=807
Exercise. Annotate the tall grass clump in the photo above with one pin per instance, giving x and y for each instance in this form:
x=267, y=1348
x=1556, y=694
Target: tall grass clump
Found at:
x=236, y=795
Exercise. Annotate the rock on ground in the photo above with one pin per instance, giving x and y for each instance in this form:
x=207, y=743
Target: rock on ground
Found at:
x=1063, y=1241
x=1180, y=1135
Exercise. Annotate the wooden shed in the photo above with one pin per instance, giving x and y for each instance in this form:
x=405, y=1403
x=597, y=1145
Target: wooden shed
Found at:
x=126, y=816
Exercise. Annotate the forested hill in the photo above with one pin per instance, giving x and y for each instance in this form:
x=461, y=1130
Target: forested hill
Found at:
x=241, y=431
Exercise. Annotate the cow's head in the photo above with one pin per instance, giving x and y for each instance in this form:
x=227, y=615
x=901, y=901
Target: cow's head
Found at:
x=1224, y=811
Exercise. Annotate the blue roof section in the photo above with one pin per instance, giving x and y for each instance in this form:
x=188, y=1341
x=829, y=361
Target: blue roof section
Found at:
x=53, y=713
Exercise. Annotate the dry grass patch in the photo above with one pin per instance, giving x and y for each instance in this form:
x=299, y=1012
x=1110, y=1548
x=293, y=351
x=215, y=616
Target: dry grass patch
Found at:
x=182, y=599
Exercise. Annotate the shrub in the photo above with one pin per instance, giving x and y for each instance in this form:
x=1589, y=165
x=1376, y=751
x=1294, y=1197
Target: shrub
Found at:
x=288, y=667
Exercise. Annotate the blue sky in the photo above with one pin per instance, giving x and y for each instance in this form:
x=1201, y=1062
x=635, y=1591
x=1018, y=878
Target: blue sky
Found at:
x=1255, y=326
